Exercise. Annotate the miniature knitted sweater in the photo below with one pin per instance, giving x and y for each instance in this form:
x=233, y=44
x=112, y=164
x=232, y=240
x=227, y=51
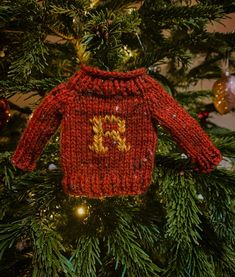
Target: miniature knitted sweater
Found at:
x=108, y=136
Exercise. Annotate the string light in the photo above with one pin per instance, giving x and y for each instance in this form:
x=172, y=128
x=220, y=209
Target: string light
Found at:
x=130, y=10
x=94, y=3
x=82, y=211
x=129, y=52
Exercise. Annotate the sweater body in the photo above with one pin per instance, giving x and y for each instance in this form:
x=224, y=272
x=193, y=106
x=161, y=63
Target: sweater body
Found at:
x=107, y=146
x=107, y=136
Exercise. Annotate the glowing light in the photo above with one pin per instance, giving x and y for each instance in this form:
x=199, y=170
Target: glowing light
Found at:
x=94, y=3
x=82, y=211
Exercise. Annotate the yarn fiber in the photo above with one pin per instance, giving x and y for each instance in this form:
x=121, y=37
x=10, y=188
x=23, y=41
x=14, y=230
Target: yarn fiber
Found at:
x=108, y=136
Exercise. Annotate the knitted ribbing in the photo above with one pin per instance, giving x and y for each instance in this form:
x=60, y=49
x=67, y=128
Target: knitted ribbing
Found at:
x=106, y=83
x=107, y=138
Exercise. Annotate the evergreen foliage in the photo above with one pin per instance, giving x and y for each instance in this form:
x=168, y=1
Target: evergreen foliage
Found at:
x=184, y=225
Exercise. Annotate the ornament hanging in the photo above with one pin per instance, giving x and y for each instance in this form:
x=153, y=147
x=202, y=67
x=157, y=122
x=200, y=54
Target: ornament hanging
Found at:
x=90, y=171
x=203, y=116
x=224, y=94
x=4, y=112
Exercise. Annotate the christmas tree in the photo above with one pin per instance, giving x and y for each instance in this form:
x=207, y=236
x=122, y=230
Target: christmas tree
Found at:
x=184, y=224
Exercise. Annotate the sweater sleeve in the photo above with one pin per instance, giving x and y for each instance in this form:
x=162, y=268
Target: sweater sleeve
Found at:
x=42, y=125
x=183, y=128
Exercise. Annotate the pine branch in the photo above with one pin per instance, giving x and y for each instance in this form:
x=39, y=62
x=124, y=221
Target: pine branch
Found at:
x=127, y=252
x=225, y=265
x=10, y=87
x=9, y=233
x=228, y=5
x=32, y=56
x=226, y=145
x=5, y=12
x=183, y=263
x=145, y=228
x=104, y=40
x=86, y=257
x=215, y=44
x=182, y=210
x=7, y=171
x=67, y=7
x=188, y=241
x=173, y=14
x=117, y=5
x=48, y=259
x=186, y=98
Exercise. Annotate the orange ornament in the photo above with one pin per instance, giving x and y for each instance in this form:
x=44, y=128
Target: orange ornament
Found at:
x=223, y=92
x=4, y=112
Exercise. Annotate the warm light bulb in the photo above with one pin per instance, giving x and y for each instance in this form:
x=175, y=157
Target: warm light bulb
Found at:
x=82, y=211
x=94, y=3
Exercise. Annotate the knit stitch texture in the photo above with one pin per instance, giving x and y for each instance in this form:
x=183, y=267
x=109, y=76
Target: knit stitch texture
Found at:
x=108, y=136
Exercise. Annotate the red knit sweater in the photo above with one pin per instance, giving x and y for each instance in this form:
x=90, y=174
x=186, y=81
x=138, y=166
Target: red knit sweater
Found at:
x=108, y=139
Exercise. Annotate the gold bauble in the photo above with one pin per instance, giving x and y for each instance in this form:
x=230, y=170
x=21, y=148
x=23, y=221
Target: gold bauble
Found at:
x=224, y=94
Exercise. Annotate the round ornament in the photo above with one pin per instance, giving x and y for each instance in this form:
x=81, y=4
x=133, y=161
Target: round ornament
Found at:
x=224, y=94
x=4, y=112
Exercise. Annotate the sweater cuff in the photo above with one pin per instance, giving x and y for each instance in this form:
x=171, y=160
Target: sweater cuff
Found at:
x=23, y=163
x=208, y=162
